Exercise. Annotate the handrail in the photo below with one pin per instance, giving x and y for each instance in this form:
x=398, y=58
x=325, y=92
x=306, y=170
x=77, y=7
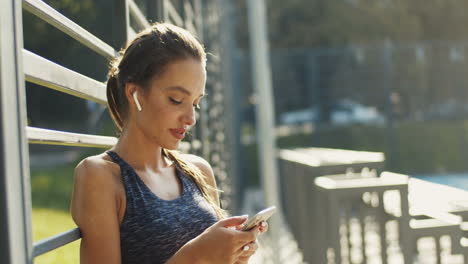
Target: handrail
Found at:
x=190, y=17
x=198, y=19
x=67, y=26
x=51, y=75
x=137, y=14
x=54, y=137
x=15, y=201
x=188, y=9
x=191, y=27
x=131, y=32
x=37, y=135
x=51, y=243
x=173, y=15
x=41, y=71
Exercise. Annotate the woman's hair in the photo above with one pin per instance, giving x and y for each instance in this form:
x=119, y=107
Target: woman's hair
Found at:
x=144, y=58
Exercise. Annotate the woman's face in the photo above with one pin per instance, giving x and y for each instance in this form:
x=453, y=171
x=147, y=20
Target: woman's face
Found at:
x=168, y=109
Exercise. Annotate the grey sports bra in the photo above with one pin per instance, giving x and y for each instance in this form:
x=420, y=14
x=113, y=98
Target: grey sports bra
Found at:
x=153, y=229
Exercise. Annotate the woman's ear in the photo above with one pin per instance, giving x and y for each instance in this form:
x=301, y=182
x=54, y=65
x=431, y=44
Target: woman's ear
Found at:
x=131, y=92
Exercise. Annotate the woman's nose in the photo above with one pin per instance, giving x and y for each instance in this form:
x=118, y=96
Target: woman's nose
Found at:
x=190, y=117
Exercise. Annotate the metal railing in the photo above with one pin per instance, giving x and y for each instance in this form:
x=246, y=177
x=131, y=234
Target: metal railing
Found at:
x=299, y=168
x=367, y=217
x=18, y=65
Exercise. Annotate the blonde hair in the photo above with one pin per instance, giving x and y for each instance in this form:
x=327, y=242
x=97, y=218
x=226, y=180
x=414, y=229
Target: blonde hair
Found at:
x=199, y=178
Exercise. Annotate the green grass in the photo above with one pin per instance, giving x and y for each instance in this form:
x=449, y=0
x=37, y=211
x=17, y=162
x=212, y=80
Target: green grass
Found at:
x=49, y=222
x=51, y=192
x=52, y=188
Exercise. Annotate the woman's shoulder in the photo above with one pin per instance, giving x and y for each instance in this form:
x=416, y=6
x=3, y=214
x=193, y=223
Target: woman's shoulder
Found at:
x=203, y=165
x=96, y=185
x=199, y=162
x=98, y=169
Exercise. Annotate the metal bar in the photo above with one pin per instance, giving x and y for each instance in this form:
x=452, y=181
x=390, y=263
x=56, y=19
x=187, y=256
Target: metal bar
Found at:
x=173, y=15
x=265, y=114
x=388, y=54
x=41, y=71
x=188, y=9
x=67, y=26
x=191, y=27
x=51, y=243
x=161, y=11
x=438, y=250
x=53, y=137
x=136, y=13
x=15, y=193
x=197, y=6
x=232, y=109
x=381, y=218
x=131, y=32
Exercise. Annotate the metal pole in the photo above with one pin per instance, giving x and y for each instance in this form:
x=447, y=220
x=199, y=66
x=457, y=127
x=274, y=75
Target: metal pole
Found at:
x=232, y=110
x=197, y=7
x=15, y=194
x=388, y=85
x=265, y=114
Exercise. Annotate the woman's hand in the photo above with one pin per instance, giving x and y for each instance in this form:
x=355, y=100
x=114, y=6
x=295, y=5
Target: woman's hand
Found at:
x=246, y=252
x=250, y=249
x=222, y=242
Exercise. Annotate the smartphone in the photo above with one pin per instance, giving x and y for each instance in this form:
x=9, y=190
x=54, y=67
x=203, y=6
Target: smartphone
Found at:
x=261, y=216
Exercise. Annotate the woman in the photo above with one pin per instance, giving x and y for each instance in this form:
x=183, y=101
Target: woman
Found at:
x=142, y=202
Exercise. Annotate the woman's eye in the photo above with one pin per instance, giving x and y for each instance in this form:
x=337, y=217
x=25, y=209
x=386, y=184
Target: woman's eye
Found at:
x=174, y=101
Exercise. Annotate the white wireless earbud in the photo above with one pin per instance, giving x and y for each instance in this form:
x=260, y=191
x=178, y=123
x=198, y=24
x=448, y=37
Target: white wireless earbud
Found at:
x=136, y=101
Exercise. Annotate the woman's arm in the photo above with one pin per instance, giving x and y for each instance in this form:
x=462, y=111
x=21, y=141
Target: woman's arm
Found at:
x=94, y=209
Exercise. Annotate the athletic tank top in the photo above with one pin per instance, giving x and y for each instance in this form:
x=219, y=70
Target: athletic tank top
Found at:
x=153, y=229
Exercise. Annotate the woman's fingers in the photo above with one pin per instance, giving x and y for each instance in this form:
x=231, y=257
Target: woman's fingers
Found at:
x=232, y=221
x=245, y=237
x=249, y=242
x=263, y=227
x=246, y=252
x=249, y=249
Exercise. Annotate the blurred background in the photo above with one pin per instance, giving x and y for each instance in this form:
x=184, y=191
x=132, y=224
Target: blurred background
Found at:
x=385, y=76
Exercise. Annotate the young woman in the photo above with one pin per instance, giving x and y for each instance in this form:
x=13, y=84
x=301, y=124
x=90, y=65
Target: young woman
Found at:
x=142, y=202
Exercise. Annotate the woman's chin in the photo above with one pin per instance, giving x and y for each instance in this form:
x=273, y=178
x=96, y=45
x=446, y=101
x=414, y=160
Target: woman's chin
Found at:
x=173, y=146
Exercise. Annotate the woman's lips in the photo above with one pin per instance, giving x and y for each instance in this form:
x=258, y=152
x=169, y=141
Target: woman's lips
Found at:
x=178, y=133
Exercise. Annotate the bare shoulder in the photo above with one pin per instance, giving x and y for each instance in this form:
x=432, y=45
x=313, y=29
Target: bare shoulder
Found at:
x=201, y=164
x=97, y=180
x=96, y=168
x=206, y=169
x=101, y=162
x=95, y=209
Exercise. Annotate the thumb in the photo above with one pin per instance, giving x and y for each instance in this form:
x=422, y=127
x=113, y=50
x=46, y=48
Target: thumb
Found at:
x=233, y=221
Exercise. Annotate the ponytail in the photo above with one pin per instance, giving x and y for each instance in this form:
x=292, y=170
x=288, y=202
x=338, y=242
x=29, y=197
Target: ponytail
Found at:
x=113, y=100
